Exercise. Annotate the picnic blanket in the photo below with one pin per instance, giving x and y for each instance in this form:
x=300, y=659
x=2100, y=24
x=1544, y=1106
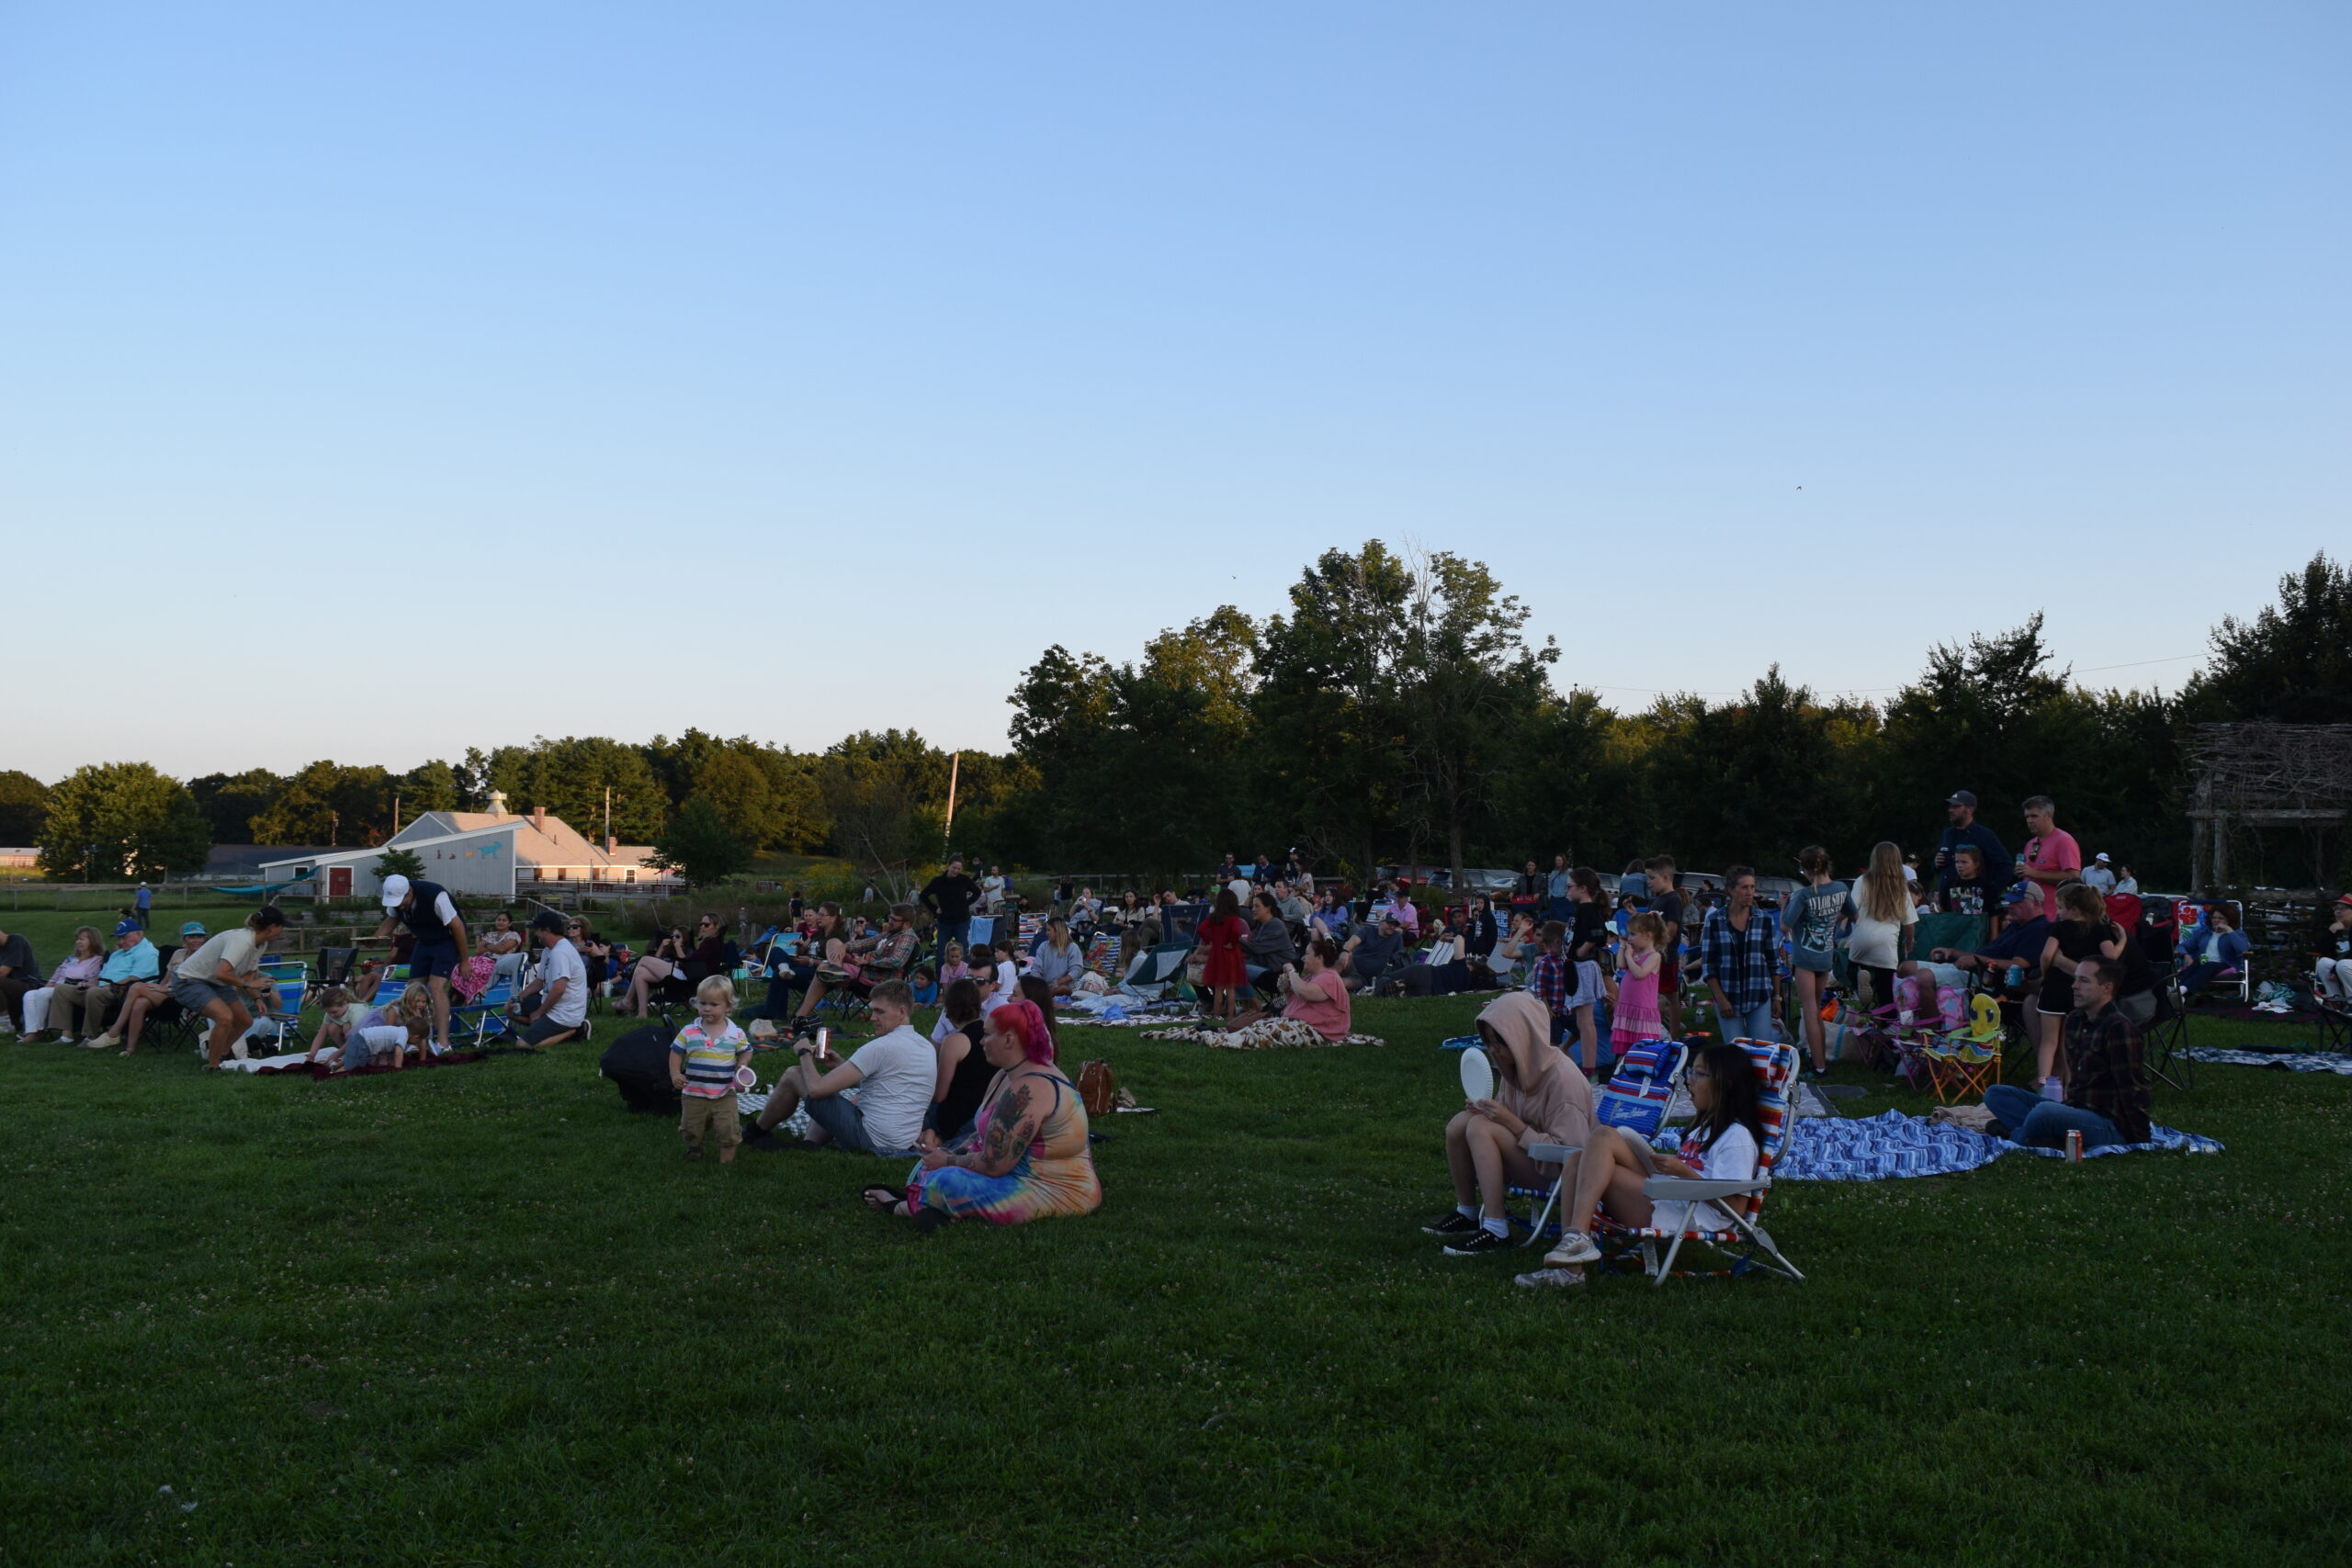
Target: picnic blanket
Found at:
x=1891, y=1144
x=2293, y=1061
x=1238, y=1039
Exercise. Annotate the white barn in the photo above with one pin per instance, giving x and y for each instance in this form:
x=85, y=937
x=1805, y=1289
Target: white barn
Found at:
x=491, y=853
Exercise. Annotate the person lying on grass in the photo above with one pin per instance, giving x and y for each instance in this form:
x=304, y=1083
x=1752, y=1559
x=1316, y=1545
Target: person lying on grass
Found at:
x=1725, y=1141
x=1027, y=1157
x=894, y=1073
x=1539, y=1097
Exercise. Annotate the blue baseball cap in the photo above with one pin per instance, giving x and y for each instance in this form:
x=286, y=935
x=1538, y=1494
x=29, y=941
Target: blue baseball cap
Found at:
x=127, y=928
x=194, y=928
x=2022, y=893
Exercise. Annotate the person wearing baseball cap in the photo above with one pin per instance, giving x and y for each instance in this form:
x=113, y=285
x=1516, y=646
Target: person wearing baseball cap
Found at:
x=431, y=916
x=144, y=996
x=1963, y=827
x=132, y=960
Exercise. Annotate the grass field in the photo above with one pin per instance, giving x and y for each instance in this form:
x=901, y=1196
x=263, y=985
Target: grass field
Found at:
x=481, y=1315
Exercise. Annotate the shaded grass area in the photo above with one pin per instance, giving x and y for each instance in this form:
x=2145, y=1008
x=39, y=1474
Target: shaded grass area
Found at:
x=481, y=1314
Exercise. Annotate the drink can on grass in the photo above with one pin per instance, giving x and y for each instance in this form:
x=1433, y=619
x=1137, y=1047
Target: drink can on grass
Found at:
x=2075, y=1144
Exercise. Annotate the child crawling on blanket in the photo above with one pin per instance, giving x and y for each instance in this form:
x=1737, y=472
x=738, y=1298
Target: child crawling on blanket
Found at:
x=399, y=1027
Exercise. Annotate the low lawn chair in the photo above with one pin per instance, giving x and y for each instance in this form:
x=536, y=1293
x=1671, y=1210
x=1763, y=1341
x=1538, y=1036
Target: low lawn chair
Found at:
x=1160, y=975
x=1776, y=1068
x=293, y=979
x=1962, y=1065
x=335, y=965
x=483, y=1019
x=1636, y=1097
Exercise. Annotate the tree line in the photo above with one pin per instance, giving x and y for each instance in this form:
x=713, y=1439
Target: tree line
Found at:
x=1396, y=711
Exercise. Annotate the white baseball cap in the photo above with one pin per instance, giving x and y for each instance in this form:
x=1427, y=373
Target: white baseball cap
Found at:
x=395, y=889
x=2100, y=858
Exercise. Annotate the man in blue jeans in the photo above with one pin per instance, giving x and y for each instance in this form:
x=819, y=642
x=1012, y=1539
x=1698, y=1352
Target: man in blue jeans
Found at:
x=2107, y=1077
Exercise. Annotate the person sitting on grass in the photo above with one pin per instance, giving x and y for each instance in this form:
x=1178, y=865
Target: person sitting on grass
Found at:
x=952, y=966
x=1059, y=961
x=704, y=1060
x=1724, y=1143
x=2107, y=1075
x=145, y=997
x=19, y=973
x=216, y=979
x=964, y=1071
x=1316, y=1006
x=897, y=1070
x=867, y=961
x=554, y=1007
x=1027, y=1156
x=924, y=983
x=1539, y=1097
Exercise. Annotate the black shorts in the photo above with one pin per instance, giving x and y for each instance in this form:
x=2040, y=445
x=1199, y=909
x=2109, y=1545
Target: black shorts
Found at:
x=429, y=959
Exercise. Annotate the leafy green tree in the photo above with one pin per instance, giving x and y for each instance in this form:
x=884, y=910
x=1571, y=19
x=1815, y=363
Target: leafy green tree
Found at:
x=24, y=807
x=2291, y=663
x=569, y=778
x=327, y=803
x=886, y=793
x=232, y=801
x=428, y=786
x=114, y=820
x=399, y=863
x=699, y=846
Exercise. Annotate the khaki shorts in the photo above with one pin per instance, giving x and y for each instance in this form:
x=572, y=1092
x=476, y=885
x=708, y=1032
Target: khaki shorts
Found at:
x=696, y=1113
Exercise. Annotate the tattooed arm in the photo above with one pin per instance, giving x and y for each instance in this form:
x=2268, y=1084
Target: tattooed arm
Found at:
x=1014, y=1116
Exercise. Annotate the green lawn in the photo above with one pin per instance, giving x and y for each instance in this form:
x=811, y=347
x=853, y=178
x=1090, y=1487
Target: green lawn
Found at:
x=481, y=1314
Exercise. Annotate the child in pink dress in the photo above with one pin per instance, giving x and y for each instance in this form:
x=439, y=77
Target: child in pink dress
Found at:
x=1636, y=1019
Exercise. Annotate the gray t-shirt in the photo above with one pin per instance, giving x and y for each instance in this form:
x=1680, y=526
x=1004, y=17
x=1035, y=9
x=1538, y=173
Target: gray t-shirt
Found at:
x=1812, y=914
x=562, y=962
x=899, y=1071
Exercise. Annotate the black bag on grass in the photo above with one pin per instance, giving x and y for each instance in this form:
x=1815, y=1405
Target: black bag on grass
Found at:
x=638, y=1066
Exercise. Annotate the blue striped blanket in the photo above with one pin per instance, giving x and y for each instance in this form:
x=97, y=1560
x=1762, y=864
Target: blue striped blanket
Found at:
x=1878, y=1148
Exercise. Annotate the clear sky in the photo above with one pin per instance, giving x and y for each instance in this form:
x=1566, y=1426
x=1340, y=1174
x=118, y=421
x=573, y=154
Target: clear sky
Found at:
x=433, y=375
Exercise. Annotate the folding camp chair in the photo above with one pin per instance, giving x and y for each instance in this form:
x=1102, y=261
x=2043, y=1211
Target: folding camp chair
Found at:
x=1961, y=1065
x=1160, y=975
x=1741, y=1202
x=2165, y=1042
x=483, y=1019
x=335, y=965
x=293, y=981
x=1636, y=1097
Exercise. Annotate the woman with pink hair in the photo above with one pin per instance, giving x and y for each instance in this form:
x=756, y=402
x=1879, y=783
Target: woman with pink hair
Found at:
x=1026, y=1156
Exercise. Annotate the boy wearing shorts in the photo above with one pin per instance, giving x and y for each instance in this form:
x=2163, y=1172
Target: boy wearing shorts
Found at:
x=703, y=1059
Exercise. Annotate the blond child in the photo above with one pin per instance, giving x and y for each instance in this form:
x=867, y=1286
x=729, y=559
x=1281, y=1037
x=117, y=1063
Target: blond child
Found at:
x=704, y=1060
x=1636, y=1019
x=341, y=1015
x=395, y=1027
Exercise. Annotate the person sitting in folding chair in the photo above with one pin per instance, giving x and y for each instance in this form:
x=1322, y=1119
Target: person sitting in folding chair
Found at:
x=1724, y=1143
x=2220, y=949
x=2332, y=975
x=2106, y=1074
x=1539, y=1097
x=867, y=961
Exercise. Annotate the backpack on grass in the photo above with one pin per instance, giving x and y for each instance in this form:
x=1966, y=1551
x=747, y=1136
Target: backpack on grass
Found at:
x=638, y=1066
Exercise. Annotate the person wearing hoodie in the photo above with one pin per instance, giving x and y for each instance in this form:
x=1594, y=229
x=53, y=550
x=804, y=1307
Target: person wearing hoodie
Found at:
x=1539, y=1097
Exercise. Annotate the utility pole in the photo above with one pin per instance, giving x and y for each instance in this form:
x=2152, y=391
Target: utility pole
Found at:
x=955, y=771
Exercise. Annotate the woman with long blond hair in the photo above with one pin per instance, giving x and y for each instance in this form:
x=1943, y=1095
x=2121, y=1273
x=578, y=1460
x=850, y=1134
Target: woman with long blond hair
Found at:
x=1884, y=920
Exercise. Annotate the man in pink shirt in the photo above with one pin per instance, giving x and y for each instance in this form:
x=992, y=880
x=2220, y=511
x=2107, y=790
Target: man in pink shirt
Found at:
x=2051, y=858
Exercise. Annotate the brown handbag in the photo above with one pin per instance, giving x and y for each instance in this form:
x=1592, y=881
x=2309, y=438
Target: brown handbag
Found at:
x=1097, y=1090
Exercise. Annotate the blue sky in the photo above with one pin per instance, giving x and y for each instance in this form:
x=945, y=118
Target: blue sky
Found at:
x=444, y=377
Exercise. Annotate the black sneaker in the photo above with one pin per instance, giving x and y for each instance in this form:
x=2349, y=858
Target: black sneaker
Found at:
x=1452, y=1223
x=1483, y=1240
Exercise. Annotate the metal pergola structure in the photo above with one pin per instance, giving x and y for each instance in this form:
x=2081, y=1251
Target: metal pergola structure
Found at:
x=2259, y=775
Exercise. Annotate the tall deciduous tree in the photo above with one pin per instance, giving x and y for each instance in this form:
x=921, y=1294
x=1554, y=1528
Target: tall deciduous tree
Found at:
x=232, y=801
x=569, y=778
x=24, y=807
x=2291, y=663
x=327, y=803
x=697, y=846
x=113, y=820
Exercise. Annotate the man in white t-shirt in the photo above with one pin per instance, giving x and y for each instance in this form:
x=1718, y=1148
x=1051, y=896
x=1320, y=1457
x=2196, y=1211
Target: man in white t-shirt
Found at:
x=894, y=1073
x=554, y=1008
x=2100, y=874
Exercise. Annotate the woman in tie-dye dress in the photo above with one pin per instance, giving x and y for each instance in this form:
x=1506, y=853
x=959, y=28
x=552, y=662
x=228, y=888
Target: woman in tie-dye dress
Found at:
x=1026, y=1156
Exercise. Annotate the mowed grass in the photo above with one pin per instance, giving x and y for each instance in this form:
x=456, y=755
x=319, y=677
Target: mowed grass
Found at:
x=483, y=1315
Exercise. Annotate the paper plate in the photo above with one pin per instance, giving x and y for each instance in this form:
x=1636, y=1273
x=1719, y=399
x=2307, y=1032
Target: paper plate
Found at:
x=1477, y=1075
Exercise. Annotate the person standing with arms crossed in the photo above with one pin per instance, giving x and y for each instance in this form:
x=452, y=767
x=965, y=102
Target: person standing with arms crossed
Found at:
x=426, y=909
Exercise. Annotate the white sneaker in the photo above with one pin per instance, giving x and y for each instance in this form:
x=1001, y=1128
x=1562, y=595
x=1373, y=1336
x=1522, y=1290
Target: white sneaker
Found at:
x=108, y=1041
x=1575, y=1248
x=1555, y=1277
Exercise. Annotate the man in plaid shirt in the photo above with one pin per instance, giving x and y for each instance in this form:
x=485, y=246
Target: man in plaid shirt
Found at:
x=2107, y=1075
x=1740, y=954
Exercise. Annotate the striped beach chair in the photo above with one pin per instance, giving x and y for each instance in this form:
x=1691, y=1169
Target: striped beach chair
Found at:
x=1634, y=1097
x=1747, y=1244
x=293, y=982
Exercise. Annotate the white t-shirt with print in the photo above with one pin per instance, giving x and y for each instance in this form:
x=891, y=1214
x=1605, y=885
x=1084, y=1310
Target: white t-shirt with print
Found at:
x=1731, y=1157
